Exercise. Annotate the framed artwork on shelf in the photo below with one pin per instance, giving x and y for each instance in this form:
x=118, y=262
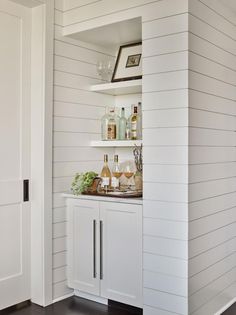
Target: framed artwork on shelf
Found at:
x=128, y=63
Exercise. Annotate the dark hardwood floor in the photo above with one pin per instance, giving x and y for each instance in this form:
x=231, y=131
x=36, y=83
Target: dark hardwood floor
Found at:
x=231, y=310
x=78, y=306
x=70, y=306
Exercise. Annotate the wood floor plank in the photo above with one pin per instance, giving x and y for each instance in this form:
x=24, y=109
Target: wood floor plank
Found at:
x=70, y=306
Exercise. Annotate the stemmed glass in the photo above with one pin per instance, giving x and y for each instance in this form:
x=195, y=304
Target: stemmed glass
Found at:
x=117, y=174
x=105, y=69
x=128, y=171
x=109, y=69
x=100, y=69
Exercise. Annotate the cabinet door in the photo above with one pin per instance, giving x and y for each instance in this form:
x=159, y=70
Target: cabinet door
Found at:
x=121, y=252
x=83, y=242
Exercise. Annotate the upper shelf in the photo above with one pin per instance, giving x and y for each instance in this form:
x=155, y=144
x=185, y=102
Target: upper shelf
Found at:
x=115, y=143
x=119, y=88
x=107, y=35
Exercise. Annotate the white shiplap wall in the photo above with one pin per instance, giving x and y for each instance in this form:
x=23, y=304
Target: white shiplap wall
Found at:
x=77, y=113
x=212, y=157
x=189, y=93
x=165, y=106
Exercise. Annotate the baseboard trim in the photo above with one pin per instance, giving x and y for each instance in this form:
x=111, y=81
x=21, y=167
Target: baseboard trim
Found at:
x=224, y=308
x=63, y=297
x=91, y=297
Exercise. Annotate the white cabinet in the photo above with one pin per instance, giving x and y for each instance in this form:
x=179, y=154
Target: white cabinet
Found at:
x=121, y=252
x=83, y=246
x=105, y=249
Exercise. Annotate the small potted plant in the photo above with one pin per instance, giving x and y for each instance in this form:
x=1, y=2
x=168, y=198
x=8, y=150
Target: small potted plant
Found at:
x=84, y=183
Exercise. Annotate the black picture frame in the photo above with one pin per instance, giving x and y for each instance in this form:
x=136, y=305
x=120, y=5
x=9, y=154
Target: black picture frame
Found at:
x=126, y=69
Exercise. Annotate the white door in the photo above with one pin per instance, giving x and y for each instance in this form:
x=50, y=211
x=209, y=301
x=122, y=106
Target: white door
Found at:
x=15, y=153
x=121, y=252
x=83, y=245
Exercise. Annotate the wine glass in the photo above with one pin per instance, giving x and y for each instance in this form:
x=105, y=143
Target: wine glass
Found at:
x=128, y=171
x=100, y=68
x=109, y=69
x=116, y=172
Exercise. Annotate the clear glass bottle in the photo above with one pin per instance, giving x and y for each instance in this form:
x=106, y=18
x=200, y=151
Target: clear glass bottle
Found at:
x=106, y=174
x=139, y=121
x=116, y=174
x=112, y=126
x=134, y=123
x=117, y=119
x=122, y=124
x=127, y=131
x=104, y=124
x=130, y=112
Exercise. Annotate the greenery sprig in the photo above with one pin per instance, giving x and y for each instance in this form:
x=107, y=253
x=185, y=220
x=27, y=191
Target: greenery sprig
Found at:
x=82, y=181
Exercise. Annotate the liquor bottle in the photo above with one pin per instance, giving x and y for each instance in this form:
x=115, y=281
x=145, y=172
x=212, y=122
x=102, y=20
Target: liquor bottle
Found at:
x=139, y=121
x=123, y=122
x=133, y=123
x=112, y=126
x=104, y=125
x=127, y=131
x=106, y=174
x=117, y=120
x=116, y=173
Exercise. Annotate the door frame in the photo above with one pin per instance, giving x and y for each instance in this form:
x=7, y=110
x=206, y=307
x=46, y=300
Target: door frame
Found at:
x=42, y=49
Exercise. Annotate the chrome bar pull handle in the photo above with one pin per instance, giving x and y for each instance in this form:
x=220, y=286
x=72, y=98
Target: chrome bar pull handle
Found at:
x=101, y=250
x=94, y=249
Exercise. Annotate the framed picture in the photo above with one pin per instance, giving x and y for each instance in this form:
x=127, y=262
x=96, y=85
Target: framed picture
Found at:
x=128, y=63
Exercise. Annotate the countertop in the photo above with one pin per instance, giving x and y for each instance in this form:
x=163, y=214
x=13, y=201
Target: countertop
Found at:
x=136, y=201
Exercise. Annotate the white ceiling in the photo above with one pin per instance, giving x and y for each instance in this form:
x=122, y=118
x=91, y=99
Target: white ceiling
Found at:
x=29, y=3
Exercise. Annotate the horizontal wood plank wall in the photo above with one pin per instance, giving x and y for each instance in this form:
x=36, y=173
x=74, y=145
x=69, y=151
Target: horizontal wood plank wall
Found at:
x=165, y=110
x=77, y=113
x=212, y=157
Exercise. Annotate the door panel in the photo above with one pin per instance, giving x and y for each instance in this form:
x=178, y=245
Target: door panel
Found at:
x=122, y=252
x=11, y=192
x=11, y=264
x=10, y=78
x=15, y=153
x=83, y=245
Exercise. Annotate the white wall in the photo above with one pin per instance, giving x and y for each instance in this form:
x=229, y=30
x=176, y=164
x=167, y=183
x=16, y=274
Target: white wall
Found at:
x=189, y=58
x=212, y=157
x=165, y=105
x=77, y=113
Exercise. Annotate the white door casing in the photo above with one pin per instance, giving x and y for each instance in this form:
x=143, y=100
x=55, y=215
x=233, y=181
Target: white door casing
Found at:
x=15, y=25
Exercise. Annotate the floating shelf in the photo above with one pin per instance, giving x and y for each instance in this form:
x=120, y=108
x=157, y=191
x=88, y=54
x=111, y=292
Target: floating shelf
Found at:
x=119, y=88
x=108, y=35
x=115, y=143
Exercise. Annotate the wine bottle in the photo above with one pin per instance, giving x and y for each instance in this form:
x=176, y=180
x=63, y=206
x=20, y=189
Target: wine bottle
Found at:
x=116, y=173
x=127, y=131
x=117, y=120
x=123, y=122
x=106, y=174
x=104, y=125
x=112, y=126
x=133, y=123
